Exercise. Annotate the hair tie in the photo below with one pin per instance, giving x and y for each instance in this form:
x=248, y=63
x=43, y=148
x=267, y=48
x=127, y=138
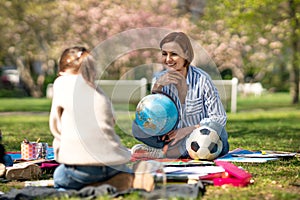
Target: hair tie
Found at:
x=79, y=54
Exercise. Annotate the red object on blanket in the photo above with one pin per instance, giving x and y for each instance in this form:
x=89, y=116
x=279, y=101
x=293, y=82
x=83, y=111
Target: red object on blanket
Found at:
x=237, y=176
x=47, y=165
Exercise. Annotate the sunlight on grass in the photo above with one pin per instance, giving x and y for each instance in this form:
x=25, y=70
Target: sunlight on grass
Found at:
x=267, y=101
x=24, y=104
x=271, y=131
x=17, y=127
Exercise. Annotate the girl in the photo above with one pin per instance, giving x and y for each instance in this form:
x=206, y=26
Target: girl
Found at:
x=82, y=123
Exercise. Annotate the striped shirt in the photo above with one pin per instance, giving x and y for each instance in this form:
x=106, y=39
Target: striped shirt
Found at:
x=202, y=104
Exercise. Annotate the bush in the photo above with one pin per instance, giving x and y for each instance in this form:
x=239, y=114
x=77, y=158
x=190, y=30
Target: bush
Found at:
x=13, y=93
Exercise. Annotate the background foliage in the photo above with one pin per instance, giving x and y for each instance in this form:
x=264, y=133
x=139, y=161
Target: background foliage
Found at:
x=253, y=40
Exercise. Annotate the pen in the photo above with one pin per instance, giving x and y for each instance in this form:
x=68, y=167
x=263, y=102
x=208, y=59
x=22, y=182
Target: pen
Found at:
x=214, y=175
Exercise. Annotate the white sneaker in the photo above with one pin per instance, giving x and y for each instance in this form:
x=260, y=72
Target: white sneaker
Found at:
x=23, y=171
x=144, y=151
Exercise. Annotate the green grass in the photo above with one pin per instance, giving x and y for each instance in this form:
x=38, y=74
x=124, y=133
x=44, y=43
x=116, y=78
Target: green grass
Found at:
x=24, y=104
x=268, y=101
x=269, y=122
x=17, y=127
x=265, y=130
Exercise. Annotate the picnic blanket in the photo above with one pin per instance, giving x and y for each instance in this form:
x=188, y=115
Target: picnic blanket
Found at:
x=236, y=155
x=173, y=168
x=184, y=191
x=242, y=155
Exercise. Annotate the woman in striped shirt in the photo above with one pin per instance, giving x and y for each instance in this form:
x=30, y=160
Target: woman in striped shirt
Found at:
x=195, y=95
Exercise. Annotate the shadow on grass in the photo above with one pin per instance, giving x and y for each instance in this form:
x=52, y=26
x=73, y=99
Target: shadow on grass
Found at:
x=265, y=133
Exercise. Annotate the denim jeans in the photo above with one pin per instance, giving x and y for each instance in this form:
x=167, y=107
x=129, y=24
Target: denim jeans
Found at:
x=8, y=160
x=76, y=177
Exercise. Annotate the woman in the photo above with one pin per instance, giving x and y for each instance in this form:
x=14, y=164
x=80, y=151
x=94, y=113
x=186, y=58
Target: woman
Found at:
x=196, y=97
x=82, y=123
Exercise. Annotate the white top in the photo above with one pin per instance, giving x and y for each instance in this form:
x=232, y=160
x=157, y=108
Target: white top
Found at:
x=82, y=123
x=202, y=103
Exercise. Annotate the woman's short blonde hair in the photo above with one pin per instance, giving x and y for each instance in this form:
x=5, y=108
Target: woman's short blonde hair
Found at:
x=183, y=41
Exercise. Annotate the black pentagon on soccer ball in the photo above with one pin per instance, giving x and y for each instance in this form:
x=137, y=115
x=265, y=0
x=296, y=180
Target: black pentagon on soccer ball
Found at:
x=195, y=146
x=205, y=131
x=213, y=147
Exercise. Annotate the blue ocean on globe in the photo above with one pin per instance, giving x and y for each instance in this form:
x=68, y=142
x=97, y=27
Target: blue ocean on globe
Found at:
x=156, y=114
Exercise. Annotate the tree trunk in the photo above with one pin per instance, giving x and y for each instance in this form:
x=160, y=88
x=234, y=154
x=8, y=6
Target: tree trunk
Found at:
x=34, y=89
x=294, y=74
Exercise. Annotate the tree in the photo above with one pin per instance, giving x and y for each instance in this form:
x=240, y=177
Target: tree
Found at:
x=294, y=6
x=33, y=37
x=270, y=32
x=257, y=40
x=28, y=35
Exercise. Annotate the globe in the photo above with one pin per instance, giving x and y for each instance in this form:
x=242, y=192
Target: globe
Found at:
x=156, y=114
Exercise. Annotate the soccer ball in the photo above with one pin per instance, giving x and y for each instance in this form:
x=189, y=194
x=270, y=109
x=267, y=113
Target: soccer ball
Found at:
x=204, y=143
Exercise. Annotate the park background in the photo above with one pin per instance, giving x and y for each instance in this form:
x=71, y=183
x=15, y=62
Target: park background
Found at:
x=252, y=40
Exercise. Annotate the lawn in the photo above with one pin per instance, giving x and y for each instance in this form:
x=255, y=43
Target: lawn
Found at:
x=269, y=122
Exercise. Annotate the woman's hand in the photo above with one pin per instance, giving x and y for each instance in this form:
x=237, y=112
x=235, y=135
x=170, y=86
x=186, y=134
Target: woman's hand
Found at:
x=176, y=78
x=177, y=135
